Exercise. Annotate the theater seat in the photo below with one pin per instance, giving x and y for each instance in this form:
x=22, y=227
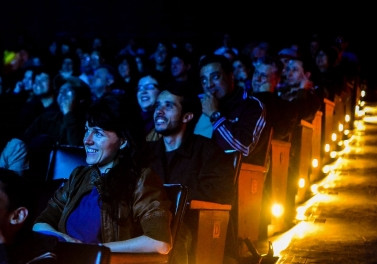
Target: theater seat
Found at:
x=63, y=159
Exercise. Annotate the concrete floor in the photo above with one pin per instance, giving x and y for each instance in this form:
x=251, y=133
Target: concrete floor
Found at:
x=340, y=222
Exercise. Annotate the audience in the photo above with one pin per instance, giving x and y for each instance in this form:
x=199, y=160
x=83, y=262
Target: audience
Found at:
x=113, y=200
x=193, y=160
x=232, y=116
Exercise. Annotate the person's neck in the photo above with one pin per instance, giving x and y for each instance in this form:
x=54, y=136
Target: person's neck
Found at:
x=173, y=142
x=160, y=67
x=100, y=92
x=181, y=78
x=106, y=167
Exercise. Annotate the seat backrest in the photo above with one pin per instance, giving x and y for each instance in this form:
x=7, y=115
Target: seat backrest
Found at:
x=177, y=194
x=63, y=159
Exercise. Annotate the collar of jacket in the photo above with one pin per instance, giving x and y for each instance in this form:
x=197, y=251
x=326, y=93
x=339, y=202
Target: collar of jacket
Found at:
x=232, y=100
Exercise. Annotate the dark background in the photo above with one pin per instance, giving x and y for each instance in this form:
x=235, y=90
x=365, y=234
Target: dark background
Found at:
x=41, y=21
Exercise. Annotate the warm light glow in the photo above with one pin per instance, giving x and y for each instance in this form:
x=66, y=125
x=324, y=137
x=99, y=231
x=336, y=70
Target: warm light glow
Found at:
x=370, y=119
x=314, y=188
x=327, y=148
x=277, y=210
x=346, y=132
x=310, y=204
x=326, y=169
x=331, y=177
x=362, y=103
x=333, y=137
x=333, y=154
x=359, y=112
x=360, y=126
x=362, y=93
x=315, y=163
x=340, y=128
x=307, y=212
x=301, y=183
x=347, y=149
x=300, y=213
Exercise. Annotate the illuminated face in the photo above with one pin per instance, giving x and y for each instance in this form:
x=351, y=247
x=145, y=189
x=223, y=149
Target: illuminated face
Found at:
x=42, y=84
x=321, y=61
x=264, y=78
x=147, y=93
x=215, y=80
x=101, y=147
x=124, y=69
x=239, y=70
x=168, y=114
x=67, y=65
x=161, y=54
x=177, y=67
x=66, y=98
x=100, y=81
x=294, y=72
x=28, y=80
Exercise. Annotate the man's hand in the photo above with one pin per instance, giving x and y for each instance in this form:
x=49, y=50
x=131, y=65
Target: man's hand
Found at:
x=210, y=104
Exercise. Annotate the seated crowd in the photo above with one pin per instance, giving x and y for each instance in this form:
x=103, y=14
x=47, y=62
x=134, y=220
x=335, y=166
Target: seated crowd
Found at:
x=148, y=120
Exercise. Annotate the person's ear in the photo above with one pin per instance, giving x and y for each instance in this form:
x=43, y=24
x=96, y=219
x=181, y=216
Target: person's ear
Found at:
x=18, y=216
x=187, y=117
x=123, y=144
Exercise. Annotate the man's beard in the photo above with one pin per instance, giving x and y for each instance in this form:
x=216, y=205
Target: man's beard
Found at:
x=172, y=130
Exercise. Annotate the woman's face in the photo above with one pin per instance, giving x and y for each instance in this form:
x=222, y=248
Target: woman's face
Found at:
x=322, y=60
x=101, y=147
x=124, y=69
x=147, y=93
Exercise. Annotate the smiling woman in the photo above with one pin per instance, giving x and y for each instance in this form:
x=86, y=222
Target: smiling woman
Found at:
x=113, y=201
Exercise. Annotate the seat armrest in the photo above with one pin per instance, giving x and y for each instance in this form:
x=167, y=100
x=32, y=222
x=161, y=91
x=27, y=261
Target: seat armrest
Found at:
x=147, y=258
x=204, y=205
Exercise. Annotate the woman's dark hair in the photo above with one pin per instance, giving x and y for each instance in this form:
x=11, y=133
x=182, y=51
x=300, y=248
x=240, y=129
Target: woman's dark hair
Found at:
x=131, y=64
x=114, y=113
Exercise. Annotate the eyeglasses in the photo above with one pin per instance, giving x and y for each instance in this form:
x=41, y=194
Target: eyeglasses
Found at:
x=147, y=87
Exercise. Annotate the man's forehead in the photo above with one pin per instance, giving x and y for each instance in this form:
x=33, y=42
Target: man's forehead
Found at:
x=168, y=96
x=211, y=67
x=296, y=63
x=261, y=67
